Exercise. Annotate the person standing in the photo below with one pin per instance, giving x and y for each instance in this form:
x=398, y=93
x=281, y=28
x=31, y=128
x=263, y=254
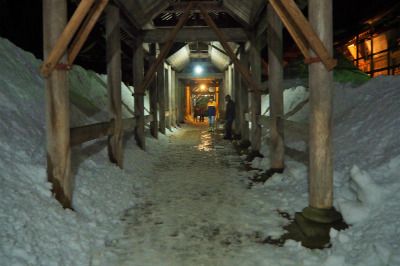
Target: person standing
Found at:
x=196, y=113
x=229, y=117
x=211, y=112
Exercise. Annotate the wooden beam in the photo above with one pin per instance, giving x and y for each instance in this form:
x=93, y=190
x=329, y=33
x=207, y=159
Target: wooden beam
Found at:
x=85, y=30
x=57, y=107
x=66, y=36
x=192, y=76
x=209, y=5
x=275, y=74
x=86, y=133
x=300, y=26
x=165, y=49
x=223, y=40
x=113, y=51
x=188, y=34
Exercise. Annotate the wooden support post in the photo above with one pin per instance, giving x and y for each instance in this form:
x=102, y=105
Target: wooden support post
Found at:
x=223, y=40
x=168, y=97
x=138, y=71
x=161, y=97
x=153, y=98
x=236, y=97
x=244, y=101
x=255, y=99
x=61, y=44
x=181, y=101
x=173, y=99
x=188, y=106
x=85, y=30
x=357, y=52
x=217, y=99
x=321, y=95
x=57, y=107
x=113, y=40
x=372, y=65
x=275, y=71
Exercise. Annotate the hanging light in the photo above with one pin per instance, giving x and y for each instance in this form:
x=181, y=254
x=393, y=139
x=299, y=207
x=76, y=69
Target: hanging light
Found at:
x=198, y=69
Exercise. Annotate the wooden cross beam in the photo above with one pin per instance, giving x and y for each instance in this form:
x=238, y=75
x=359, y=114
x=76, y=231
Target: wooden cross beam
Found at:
x=165, y=50
x=302, y=32
x=86, y=29
x=71, y=28
x=223, y=40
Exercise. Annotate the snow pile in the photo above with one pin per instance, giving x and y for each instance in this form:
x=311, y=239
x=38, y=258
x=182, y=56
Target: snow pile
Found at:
x=291, y=98
x=366, y=184
x=34, y=228
x=367, y=197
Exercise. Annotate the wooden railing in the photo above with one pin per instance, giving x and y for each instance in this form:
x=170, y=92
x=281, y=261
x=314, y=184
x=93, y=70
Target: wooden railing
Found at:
x=79, y=135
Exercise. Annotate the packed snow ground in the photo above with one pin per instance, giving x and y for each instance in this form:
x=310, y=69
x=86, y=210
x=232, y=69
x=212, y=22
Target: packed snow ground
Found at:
x=185, y=202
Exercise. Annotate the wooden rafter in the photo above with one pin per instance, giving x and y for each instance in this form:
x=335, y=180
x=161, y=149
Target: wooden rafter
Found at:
x=164, y=51
x=85, y=30
x=223, y=40
x=302, y=32
x=66, y=36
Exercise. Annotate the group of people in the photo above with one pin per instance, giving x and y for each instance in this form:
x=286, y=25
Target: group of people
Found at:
x=199, y=113
x=211, y=113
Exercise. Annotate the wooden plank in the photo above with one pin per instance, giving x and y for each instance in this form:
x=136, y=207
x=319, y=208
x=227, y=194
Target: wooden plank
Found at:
x=113, y=51
x=223, y=40
x=165, y=49
x=86, y=133
x=85, y=30
x=66, y=36
x=298, y=38
x=57, y=107
x=188, y=34
x=275, y=71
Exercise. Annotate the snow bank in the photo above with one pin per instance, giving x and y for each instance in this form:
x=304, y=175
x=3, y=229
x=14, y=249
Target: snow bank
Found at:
x=366, y=162
x=35, y=229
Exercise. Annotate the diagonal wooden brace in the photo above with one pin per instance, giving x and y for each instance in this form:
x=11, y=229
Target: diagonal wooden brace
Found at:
x=86, y=29
x=301, y=31
x=165, y=50
x=66, y=36
x=223, y=40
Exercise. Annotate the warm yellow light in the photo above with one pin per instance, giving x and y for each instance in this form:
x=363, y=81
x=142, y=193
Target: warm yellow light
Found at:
x=353, y=50
x=203, y=87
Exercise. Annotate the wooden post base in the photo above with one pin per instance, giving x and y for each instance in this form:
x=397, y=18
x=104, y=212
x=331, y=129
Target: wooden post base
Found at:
x=253, y=154
x=315, y=225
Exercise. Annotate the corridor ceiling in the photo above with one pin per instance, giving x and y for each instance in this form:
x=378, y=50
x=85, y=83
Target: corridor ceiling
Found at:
x=196, y=42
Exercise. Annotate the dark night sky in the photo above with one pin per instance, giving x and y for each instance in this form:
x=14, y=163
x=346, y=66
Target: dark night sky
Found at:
x=21, y=21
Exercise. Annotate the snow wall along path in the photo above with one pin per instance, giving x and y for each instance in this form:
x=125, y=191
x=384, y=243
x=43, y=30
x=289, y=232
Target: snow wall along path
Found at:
x=366, y=120
x=34, y=229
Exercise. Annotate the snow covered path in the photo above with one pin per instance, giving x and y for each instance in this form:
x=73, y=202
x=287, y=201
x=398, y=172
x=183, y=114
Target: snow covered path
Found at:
x=198, y=210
